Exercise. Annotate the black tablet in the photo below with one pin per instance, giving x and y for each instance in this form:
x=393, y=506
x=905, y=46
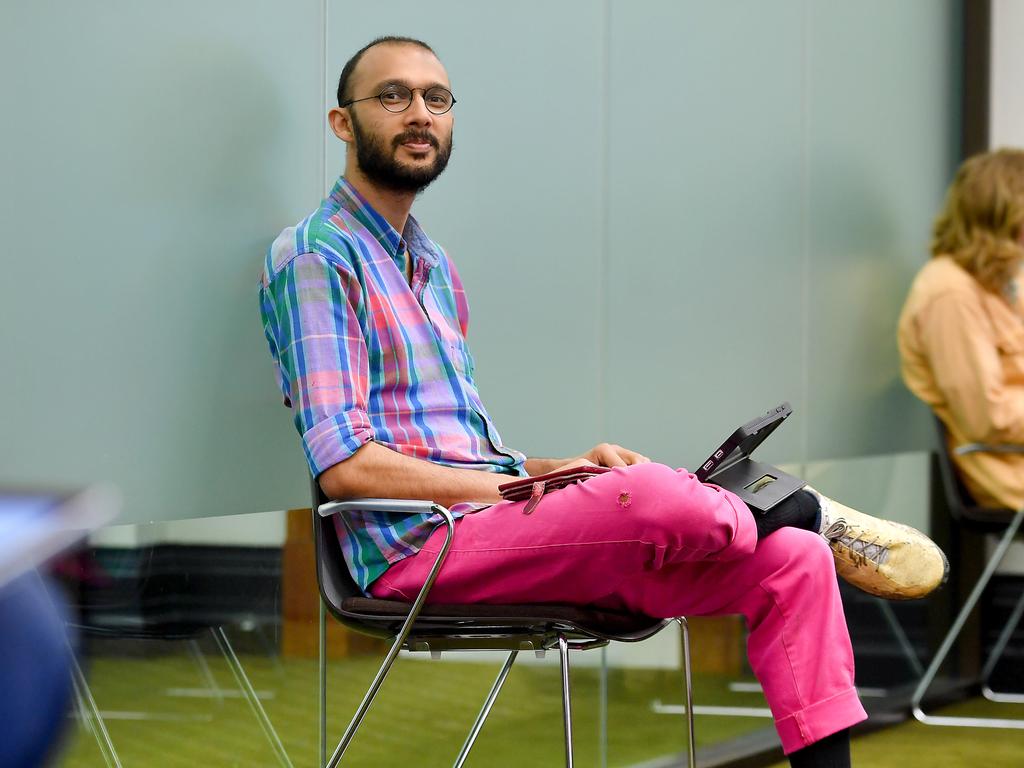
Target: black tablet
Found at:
x=761, y=486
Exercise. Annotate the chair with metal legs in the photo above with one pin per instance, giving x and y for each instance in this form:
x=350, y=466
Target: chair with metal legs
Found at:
x=969, y=515
x=437, y=628
x=165, y=625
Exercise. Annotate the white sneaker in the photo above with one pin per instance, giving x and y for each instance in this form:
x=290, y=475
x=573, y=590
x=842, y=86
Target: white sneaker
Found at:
x=878, y=556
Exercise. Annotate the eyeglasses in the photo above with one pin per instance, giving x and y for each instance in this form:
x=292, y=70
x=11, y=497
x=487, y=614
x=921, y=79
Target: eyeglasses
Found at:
x=397, y=98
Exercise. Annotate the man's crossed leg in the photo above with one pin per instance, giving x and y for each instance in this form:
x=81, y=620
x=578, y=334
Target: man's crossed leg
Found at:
x=649, y=539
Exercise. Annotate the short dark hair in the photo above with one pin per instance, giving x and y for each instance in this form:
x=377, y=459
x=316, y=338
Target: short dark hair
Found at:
x=350, y=65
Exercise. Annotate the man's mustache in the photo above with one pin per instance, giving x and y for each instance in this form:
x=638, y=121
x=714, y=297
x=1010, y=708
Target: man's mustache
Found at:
x=415, y=136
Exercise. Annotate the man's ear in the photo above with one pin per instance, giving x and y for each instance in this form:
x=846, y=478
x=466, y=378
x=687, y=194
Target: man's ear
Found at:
x=341, y=124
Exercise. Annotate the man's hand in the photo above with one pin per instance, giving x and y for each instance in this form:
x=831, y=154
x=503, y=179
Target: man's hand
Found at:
x=603, y=455
x=610, y=455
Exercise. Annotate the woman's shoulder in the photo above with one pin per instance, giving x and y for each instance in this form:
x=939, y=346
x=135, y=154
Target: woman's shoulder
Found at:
x=943, y=286
x=942, y=276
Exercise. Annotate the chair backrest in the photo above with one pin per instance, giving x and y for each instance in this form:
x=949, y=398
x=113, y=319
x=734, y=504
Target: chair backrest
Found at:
x=332, y=574
x=962, y=505
x=957, y=496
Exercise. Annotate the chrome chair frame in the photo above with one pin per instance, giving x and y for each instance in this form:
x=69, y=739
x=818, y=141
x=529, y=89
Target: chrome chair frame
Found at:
x=86, y=709
x=439, y=628
x=93, y=718
x=988, y=520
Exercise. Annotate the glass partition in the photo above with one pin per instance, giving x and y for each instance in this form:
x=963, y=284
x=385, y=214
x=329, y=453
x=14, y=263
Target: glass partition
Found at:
x=198, y=646
x=680, y=213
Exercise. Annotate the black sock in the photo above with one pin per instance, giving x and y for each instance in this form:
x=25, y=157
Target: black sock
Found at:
x=831, y=752
x=801, y=510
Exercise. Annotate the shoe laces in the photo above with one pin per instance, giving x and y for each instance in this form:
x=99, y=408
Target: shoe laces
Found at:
x=862, y=550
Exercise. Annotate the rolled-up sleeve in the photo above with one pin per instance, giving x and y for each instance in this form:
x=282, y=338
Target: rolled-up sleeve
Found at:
x=314, y=319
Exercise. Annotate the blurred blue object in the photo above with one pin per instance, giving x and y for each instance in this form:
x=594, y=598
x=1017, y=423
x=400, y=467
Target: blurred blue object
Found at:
x=35, y=671
x=35, y=652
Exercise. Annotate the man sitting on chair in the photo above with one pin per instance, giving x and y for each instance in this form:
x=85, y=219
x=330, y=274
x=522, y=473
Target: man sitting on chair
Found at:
x=366, y=319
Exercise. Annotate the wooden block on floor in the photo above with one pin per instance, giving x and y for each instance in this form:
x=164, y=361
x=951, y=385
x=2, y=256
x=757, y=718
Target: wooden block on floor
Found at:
x=717, y=644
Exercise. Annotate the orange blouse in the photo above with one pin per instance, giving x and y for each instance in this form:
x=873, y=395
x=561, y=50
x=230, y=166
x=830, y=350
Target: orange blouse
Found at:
x=962, y=352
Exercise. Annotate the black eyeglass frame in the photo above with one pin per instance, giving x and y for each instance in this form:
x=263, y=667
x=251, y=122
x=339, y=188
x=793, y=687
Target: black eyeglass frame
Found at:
x=412, y=91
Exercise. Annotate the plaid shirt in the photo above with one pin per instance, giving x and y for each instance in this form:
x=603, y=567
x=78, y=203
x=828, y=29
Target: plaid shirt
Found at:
x=361, y=355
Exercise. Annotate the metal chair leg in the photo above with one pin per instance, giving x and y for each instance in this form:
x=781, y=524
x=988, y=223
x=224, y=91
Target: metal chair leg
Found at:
x=602, y=736
x=690, y=709
x=997, y=653
x=250, y=694
x=901, y=637
x=478, y=724
x=90, y=712
x=563, y=653
x=691, y=744
x=396, y=646
x=364, y=705
x=950, y=639
x=210, y=682
x=323, y=682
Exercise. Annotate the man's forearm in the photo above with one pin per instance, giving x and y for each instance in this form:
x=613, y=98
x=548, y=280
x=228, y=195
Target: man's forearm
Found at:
x=378, y=472
x=543, y=466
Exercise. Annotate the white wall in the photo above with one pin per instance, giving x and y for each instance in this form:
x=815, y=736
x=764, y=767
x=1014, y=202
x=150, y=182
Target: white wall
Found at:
x=1006, y=95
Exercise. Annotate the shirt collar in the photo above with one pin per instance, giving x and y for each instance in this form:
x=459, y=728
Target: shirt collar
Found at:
x=412, y=239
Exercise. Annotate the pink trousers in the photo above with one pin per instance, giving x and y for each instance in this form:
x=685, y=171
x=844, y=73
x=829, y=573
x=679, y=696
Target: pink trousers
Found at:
x=654, y=540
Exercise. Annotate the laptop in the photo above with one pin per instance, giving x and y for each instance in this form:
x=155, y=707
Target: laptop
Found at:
x=761, y=486
x=36, y=525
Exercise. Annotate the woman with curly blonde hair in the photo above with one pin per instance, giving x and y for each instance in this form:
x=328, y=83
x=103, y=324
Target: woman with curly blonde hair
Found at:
x=961, y=332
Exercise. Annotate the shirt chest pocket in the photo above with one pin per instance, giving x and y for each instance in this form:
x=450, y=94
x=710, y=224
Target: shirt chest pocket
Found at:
x=460, y=356
x=449, y=334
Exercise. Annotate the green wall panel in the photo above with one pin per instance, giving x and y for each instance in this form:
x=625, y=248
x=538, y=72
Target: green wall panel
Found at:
x=157, y=148
x=705, y=284
x=668, y=216
x=519, y=209
x=882, y=105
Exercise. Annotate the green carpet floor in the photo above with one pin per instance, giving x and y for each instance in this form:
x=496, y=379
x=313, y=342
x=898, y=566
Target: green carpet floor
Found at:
x=914, y=745
x=159, y=713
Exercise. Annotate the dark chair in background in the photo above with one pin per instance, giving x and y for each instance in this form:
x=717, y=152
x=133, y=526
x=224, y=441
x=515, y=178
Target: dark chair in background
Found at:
x=105, y=611
x=968, y=515
x=438, y=628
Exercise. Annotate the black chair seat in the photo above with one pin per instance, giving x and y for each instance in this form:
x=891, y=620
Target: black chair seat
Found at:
x=596, y=622
x=439, y=628
x=986, y=519
x=964, y=509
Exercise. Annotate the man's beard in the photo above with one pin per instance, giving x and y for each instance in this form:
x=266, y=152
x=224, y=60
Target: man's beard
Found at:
x=380, y=166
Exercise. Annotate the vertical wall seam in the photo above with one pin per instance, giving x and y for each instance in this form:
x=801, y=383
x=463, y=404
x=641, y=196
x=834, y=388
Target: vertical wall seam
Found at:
x=604, y=292
x=324, y=181
x=805, y=229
